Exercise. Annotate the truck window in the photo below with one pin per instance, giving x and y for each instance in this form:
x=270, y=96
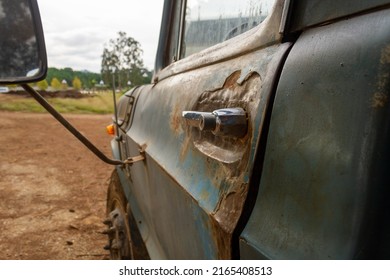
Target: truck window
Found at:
x=209, y=22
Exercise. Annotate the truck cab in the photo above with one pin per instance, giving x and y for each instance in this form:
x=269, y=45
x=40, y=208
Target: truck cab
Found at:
x=264, y=135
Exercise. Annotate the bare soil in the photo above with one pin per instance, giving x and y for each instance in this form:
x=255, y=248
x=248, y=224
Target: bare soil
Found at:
x=52, y=188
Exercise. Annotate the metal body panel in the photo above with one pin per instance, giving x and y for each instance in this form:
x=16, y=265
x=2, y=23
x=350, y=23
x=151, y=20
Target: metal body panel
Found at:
x=192, y=186
x=324, y=188
x=306, y=13
x=189, y=192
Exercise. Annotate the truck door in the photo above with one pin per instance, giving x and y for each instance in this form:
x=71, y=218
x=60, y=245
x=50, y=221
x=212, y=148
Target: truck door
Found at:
x=188, y=194
x=324, y=190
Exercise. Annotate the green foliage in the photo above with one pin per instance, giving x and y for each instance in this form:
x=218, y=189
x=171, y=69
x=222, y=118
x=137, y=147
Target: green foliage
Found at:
x=122, y=57
x=42, y=85
x=76, y=83
x=55, y=84
x=68, y=74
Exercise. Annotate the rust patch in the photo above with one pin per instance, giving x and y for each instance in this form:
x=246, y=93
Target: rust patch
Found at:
x=226, y=217
x=223, y=240
x=385, y=57
x=233, y=194
x=175, y=122
x=232, y=94
x=230, y=206
x=244, y=79
x=380, y=98
x=231, y=81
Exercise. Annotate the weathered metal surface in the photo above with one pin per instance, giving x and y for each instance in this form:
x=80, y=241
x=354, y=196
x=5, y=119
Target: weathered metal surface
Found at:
x=181, y=181
x=324, y=190
x=307, y=13
x=189, y=192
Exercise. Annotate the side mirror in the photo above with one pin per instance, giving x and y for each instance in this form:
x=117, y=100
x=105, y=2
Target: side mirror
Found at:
x=22, y=46
x=23, y=58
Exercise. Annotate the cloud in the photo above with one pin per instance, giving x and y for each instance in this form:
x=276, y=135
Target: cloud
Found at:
x=75, y=34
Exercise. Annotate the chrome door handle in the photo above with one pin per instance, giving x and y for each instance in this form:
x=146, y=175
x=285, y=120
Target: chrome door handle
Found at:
x=231, y=122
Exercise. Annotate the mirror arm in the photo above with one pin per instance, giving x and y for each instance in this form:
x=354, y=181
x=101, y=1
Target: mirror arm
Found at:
x=39, y=98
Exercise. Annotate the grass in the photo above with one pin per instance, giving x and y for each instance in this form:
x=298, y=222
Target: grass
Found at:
x=101, y=103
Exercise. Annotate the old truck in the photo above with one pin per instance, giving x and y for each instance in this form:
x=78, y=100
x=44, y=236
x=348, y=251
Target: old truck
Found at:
x=264, y=134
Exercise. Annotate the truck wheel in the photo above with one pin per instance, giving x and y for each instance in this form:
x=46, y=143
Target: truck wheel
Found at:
x=119, y=237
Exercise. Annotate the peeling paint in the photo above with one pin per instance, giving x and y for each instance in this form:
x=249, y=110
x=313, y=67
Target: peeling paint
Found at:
x=232, y=80
x=231, y=94
x=175, y=122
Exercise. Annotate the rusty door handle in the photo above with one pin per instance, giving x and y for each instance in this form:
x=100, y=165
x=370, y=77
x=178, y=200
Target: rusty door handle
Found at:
x=232, y=122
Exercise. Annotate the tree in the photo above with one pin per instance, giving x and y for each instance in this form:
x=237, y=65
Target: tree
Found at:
x=123, y=57
x=42, y=85
x=76, y=83
x=55, y=83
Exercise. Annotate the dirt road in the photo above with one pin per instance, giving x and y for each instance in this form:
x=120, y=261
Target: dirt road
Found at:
x=52, y=189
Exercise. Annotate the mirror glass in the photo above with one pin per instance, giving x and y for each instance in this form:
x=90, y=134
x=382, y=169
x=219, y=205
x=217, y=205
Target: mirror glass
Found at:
x=20, y=59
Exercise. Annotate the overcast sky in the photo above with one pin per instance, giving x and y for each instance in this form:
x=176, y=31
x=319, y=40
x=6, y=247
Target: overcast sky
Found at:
x=77, y=30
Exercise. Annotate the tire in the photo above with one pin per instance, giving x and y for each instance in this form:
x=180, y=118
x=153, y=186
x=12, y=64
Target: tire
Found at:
x=119, y=237
x=124, y=239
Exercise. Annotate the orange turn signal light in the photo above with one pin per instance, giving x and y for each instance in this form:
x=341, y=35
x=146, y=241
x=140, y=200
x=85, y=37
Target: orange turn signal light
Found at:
x=111, y=129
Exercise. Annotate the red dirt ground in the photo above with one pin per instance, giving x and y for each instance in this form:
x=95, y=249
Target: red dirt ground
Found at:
x=52, y=189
